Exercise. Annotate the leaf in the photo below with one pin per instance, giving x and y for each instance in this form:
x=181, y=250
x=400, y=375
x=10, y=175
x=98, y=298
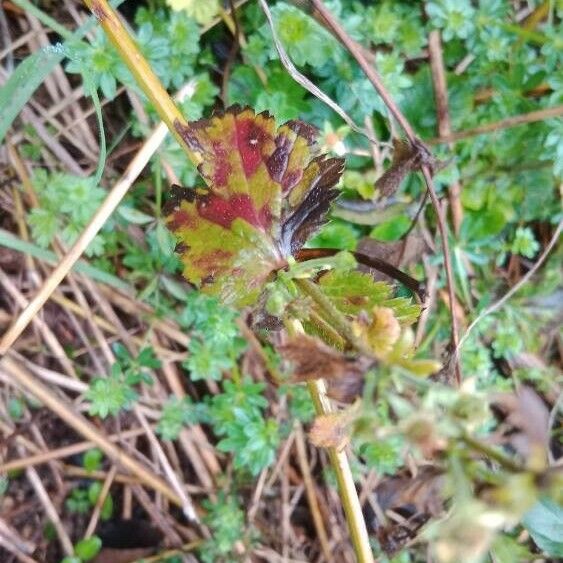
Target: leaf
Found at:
x=268, y=191
x=545, y=524
x=312, y=359
x=353, y=292
x=23, y=82
x=88, y=548
x=132, y=215
x=202, y=12
x=381, y=332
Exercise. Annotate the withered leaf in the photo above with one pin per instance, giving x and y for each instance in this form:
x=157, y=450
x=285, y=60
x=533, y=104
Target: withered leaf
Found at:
x=407, y=157
x=415, y=499
x=313, y=359
x=380, y=331
x=528, y=421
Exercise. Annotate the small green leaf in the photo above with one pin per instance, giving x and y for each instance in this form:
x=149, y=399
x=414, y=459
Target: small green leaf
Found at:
x=92, y=459
x=132, y=215
x=88, y=549
x=545, y=524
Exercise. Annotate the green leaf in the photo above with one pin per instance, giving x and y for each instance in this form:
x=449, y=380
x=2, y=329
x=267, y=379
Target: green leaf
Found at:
x=109, y=395
x=175, y=414
x=92, y=459
x=132, y=215
x=201, y=12
x=23, y=82
x=393, y=229
x=545, y=524
x=305, y=40
x=507, y=550
x=353, y=291
x=88, y=549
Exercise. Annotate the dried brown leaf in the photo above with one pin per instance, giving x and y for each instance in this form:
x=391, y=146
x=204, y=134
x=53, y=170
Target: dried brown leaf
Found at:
x=415, y=499
x=312, y=359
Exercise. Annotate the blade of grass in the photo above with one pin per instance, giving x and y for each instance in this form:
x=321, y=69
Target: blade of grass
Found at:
x=8, y=240
x=22, y=83
x=31, y=73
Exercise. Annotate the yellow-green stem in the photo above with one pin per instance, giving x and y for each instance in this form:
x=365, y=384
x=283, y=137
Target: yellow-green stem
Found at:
x=339, y=460
x=141, y=70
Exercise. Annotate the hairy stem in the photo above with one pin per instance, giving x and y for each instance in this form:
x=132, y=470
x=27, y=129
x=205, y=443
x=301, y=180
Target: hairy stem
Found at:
x=492, y=453
x=331, y=314
x=339, y=460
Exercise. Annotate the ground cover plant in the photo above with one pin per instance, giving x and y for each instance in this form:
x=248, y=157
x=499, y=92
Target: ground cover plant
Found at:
x=336, y=338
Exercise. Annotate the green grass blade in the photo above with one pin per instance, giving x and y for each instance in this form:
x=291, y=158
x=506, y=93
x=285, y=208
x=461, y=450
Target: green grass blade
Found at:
x=23, y=82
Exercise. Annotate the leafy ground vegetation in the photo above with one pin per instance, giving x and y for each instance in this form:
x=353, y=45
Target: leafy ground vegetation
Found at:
x=144, y=420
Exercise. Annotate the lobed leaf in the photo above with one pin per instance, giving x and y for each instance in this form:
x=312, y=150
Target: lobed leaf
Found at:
x=268, y=190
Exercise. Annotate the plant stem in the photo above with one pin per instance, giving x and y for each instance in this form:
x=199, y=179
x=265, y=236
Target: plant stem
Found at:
x=492, y=453
x=148, y=82
x=339, y=460
x=334, y=317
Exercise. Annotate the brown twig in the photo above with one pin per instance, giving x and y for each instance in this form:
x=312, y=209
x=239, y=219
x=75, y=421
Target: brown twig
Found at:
x=514, y=121
x=60, y=453
x=444, y=125
x=311, y=493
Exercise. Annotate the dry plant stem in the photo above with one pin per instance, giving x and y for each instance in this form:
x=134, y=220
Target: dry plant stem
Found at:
x=140, y=69
x=96, y=223
x=346, y=486
x=514, y=121
x=10, y=534
x=373, y=77
x=311, y=493
x=11, y=548
x=50, y=510
x=100, y=502
x=66, y=412
x=444, y=125
x=60, y=453
x=448, y=267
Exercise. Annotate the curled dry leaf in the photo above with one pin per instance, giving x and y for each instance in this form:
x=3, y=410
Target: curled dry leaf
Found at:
x=312, y=359
x=407, y=157
x=528, y=420
x=268, y=190
x=380, y=331
x=408, y=502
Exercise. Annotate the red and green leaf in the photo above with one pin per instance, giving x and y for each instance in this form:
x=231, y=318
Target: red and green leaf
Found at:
x=267, y=191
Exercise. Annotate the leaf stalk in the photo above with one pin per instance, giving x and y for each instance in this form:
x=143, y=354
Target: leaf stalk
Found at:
x=341, y=466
